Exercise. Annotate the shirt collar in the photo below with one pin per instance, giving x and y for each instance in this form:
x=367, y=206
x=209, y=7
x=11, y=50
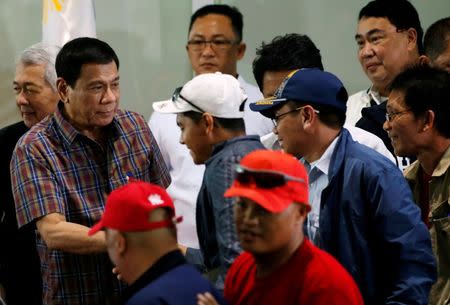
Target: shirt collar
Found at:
x=323, y=164
x=164, y=264
x=69, y=133
x=219, y=146
x=374, y=95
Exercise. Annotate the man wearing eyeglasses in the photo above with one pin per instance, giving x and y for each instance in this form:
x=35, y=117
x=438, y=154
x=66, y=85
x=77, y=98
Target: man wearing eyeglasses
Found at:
x=279, y=265
x=418, y=125
x=210, y=114
x=362, y=208
x=214, y=45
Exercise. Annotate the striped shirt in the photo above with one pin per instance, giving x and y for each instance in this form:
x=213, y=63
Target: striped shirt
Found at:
x=56, y=169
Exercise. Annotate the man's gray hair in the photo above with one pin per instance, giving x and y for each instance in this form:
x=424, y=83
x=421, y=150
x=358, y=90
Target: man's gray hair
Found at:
x=41, y=54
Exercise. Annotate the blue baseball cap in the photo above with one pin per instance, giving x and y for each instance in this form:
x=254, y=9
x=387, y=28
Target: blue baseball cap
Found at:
x=307, y=85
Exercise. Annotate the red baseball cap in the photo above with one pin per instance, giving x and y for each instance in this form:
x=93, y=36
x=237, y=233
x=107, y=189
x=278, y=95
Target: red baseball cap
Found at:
x=128, y=208
x=273, y=179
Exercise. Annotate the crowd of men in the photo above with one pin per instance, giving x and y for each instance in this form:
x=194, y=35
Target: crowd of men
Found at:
x=290, y=193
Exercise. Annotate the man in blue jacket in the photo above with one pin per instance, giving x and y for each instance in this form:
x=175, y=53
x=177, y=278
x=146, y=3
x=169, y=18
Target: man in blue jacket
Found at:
x=362, y=208
x=141, y=238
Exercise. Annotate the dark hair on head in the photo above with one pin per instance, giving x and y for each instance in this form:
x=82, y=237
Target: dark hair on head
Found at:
x=436, y=38
x=193, y=115
x=75, y=53
x=330, y=116
x=237, y=21
x=283, y=53
x=401, y=13
x=236, y=125
x=426, y=88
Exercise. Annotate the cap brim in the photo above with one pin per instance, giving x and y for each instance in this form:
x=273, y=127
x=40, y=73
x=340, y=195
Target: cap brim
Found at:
x=170, y=107
x=268, y=199
x=266, y=106
x=97, y=227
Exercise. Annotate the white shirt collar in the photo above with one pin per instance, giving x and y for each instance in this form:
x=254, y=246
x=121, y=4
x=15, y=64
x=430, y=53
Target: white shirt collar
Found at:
x=323, y=164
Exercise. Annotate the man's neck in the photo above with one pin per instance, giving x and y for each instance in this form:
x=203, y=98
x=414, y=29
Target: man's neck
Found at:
x=322, y=141
x=269, y=262
x=430, y=157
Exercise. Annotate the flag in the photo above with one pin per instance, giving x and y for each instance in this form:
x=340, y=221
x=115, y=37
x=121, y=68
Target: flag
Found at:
x=64, y=20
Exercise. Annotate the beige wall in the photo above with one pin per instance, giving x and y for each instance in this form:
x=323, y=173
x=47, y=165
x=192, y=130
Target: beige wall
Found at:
x=149, y=37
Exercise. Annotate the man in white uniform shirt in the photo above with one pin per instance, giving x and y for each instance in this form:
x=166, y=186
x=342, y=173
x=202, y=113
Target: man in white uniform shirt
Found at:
x=214, y=44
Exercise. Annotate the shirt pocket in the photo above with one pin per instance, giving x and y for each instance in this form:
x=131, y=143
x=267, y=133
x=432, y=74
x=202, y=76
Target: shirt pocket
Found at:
x=440, y=234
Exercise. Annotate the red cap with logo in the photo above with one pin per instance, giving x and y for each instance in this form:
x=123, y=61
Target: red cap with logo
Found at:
x=128, y=208
x=273, y=179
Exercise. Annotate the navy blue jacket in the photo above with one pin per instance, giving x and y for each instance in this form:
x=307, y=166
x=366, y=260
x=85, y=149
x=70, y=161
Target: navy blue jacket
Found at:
x=214, y=213
x=170, y=281
x=369, y=222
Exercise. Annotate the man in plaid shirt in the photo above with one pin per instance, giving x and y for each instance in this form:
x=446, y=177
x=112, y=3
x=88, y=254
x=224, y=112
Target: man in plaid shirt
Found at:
x=64, y=167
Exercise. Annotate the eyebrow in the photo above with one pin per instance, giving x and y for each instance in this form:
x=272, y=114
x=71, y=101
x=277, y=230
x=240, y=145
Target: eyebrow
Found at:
x=213, y=36
x=98, y=81
x=26, y=84
x=371, y=32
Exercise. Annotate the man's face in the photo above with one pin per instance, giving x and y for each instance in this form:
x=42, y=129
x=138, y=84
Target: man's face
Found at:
x=383, y=50
x=35, y=98
x=272, y=80
x=193, y=135
x=289, y=130
x=262, y=232
x=210, y=59
x=443, y=60
x=93, y=101
x=403, y=128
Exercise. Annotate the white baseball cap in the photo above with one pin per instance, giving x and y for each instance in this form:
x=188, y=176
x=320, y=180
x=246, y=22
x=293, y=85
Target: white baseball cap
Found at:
x=215, y=93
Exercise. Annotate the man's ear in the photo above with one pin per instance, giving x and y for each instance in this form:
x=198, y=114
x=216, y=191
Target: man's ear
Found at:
x=309, y=117
x=62, y=88
x=209, y=122
x=121, y=243
x=428, y=120
x=241, y=50
x=424, y=60
x=412, y=38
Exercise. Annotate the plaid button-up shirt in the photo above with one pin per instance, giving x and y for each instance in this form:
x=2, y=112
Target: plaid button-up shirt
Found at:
x=55, y=169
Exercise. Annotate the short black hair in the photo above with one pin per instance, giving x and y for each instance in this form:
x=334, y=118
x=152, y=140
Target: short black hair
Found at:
x=330, y=116
x=283, y=53
x=75, y=53
x=236, y=125
x=401, y=13
x=426, y=88
x=436, y=38
x=237, y=21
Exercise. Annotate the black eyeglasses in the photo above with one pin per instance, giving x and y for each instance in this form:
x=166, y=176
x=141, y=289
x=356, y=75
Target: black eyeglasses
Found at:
x=177, y=95
x=278, y=117
x=198, y=45
x=265, y=179
x=391, y=116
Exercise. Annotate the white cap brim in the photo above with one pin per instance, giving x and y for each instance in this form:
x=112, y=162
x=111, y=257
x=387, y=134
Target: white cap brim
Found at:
x=170, y=107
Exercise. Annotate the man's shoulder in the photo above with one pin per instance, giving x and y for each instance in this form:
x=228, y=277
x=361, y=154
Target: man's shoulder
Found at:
x=167, y=288
x=38, y=133
x=252, y=91
x=242, y=263
x=12, y=132
x=234, y=149
x=131, y=121
x=360, y=157
x=358, y=96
